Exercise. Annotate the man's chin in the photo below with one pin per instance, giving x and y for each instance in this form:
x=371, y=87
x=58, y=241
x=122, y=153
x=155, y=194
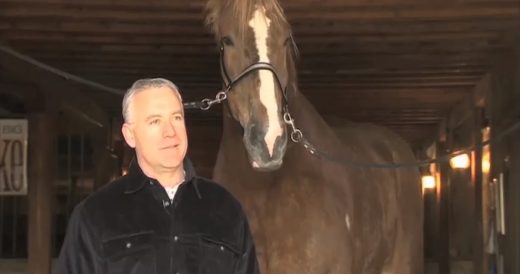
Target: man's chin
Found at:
x=170, y=163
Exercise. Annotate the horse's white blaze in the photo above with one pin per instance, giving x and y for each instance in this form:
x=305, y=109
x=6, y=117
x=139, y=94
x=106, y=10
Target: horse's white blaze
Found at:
x=347, y=221
x=260, y=24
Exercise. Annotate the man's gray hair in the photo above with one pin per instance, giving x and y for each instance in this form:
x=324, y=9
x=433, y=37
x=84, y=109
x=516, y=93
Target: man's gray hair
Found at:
x=143, y=84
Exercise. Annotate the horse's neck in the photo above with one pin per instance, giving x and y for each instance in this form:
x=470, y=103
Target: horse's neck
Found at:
x=310, y=122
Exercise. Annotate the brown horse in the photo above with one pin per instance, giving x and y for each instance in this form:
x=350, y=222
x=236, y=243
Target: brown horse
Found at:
x=308, y=214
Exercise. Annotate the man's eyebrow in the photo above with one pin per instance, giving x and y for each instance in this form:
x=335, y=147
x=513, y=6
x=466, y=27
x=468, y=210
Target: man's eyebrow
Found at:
x=149, y=117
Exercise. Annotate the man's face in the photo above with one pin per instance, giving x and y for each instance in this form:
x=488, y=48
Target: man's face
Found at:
x=156, y=129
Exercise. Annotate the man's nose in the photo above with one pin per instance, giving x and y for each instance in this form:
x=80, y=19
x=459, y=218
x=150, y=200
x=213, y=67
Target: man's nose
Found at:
x=169, y=129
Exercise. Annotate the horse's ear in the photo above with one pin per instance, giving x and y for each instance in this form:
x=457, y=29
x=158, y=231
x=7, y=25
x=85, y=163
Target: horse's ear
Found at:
x=212, y=13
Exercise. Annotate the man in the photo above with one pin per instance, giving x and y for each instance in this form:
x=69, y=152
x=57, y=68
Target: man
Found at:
x=160, y=217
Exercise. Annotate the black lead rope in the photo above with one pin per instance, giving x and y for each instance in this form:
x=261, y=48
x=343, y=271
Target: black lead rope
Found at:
x=445, y=158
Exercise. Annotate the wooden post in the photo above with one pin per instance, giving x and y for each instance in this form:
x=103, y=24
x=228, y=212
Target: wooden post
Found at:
x=512, y=186
x=101, y=141
x=444, y=215
x=42, y=137
x=512, y=246
x=476, y=177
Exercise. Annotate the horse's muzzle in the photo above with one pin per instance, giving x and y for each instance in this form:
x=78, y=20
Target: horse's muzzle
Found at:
x=260, y=157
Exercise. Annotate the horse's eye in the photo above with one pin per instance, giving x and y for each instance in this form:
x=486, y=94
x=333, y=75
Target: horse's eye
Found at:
x=226, y=40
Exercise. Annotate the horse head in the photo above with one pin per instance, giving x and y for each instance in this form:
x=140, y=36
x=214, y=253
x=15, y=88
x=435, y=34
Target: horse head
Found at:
x=256, y=49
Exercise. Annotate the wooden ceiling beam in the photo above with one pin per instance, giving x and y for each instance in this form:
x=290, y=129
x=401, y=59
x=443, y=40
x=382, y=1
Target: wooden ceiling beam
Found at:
x=308, y=51
x=128, y=4
x=300, y=29
x=437, y=11
x=212, y=85
x=313, y=80
x=446, y=81
x=461, y=84
x=345, y=107
x=392, y=83
x=471, y=70
x=310, y=61
x=191, y=74
x=207, y=39
x=427, y=93
x=199, y=4
x=396, y=62
x=368, y=104
x=346, y=56
x=67, y=48
x=72, y=48
x=395, y=117
x=195, y=74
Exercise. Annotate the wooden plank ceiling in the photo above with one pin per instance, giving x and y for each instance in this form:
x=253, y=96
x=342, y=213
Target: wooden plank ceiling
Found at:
x=398, y=63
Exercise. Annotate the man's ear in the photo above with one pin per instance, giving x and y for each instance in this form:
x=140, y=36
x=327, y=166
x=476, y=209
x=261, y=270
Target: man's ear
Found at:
x=128, y=134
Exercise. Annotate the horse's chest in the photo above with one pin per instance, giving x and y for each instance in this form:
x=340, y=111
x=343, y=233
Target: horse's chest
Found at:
x=297, y=229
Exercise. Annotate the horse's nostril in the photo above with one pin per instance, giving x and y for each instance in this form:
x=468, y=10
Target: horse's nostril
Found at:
x=255, y=137
x=255, y=130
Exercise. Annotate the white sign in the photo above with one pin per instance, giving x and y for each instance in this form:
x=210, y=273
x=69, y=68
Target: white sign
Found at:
x=13, y=156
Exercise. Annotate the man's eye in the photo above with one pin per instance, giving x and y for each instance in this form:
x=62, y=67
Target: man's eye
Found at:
x=154, y=122
x=177, y=118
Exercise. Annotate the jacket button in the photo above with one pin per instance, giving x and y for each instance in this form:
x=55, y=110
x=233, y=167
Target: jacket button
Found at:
x=176, y=238
x=128, y=244
x=221, y=248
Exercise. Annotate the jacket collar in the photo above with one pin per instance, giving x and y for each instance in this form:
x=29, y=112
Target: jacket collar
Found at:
x=137, y=179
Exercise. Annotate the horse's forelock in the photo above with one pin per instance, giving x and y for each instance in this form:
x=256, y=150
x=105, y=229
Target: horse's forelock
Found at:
x=241, y=11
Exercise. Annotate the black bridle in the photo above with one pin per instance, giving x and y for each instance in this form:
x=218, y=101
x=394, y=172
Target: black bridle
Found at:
x=229, y=83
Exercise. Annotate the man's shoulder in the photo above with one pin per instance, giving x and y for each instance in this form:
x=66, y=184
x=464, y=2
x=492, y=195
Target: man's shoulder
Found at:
x=104, y=201
x=204, y=182
x=208, y=185
x=108, y=193
x=216, y=192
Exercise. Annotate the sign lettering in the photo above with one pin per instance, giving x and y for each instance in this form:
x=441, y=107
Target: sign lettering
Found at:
x=13, y=157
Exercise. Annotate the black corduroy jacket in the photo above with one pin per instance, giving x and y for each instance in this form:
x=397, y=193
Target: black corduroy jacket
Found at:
x=132, y=227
